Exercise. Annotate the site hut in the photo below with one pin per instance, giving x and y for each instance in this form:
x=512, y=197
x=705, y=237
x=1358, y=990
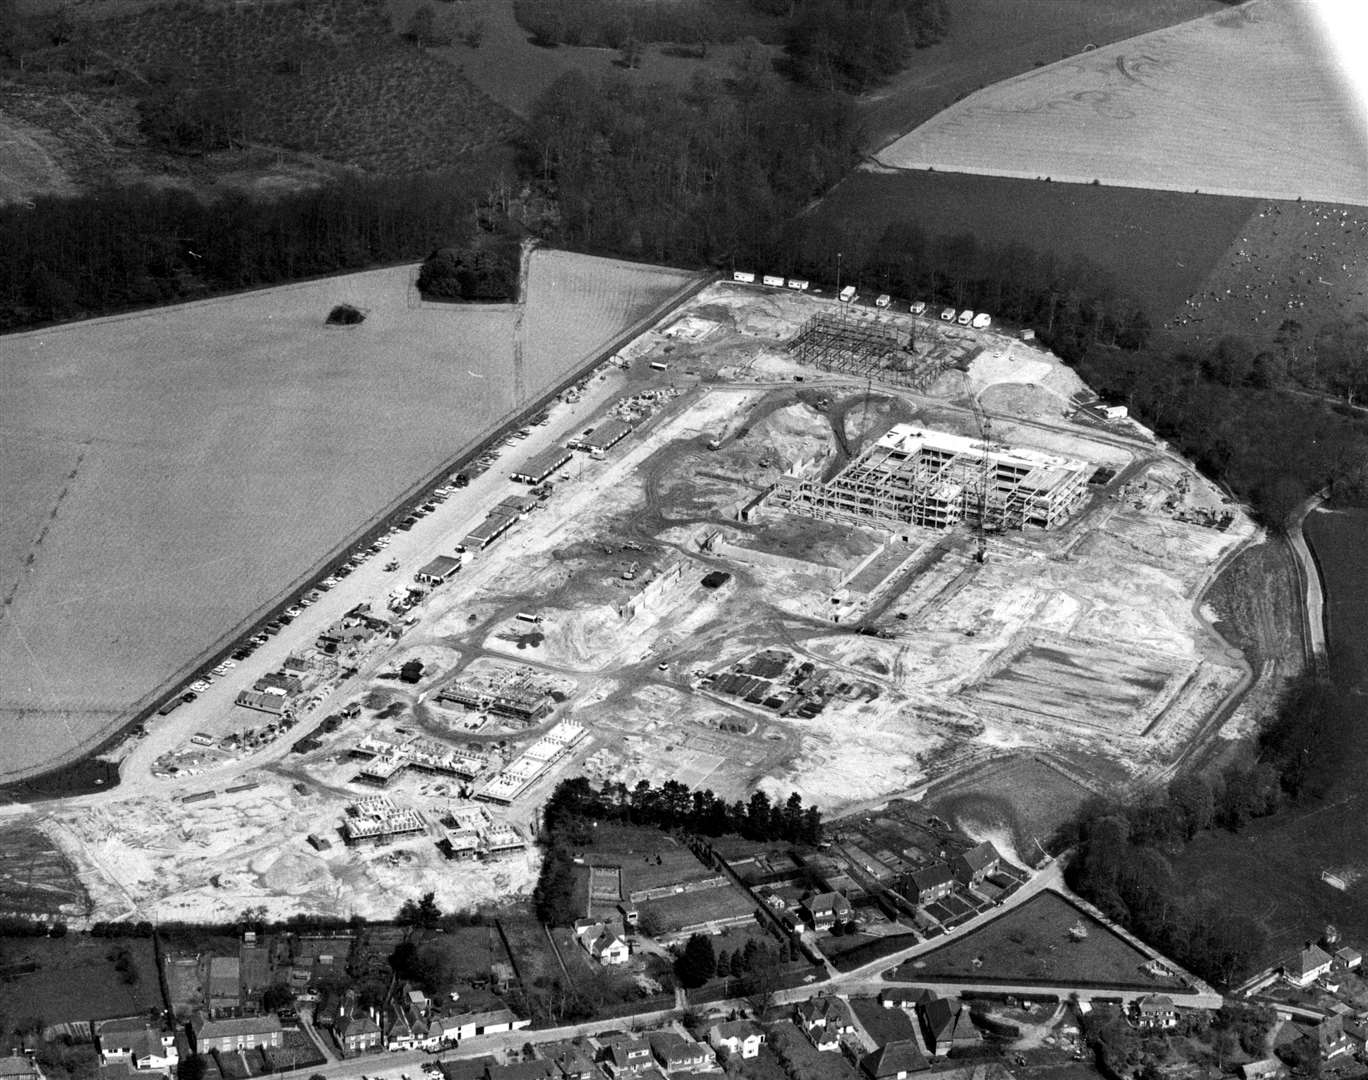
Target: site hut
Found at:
x=744, y=277
x=798, y=284
x=489, y=530
x=604, y=437
x=439, y=571
x=542, y=465
x=774, y=281
x=281, y=681
x=262, y=701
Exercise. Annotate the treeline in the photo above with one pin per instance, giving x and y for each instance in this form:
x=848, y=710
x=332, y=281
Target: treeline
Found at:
x=1271, y=445
x=569, y=817
x=854, y=45
x=1072, y=301
x=137, y=247
x=1121, y=862
x=696, y=177
x=615, y=24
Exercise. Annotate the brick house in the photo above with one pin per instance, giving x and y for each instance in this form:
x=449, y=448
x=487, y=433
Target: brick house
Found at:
x=242, y=1033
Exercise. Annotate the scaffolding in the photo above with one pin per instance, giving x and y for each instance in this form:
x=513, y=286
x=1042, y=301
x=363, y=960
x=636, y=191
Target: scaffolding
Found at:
x=869, y=351
x=936, y=481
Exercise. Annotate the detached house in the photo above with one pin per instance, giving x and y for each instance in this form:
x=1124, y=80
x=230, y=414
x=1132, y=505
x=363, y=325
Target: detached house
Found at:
x=1307, y=966
x=603, y=944
x=893, y=1061
x=142, y=1047
x=824, y=1020
x=739, y=1038
x=1154, y=1011
x=626, y=1055
x=946, y=1025
x=678, y=1054
x=825, y=910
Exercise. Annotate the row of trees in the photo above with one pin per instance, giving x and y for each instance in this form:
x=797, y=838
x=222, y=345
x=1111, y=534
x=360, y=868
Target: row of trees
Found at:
x=123, y=248
x=1122, y=862
x=854, y=45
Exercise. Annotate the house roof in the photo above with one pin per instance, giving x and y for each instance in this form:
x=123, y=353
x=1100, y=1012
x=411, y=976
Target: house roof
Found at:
x=824, y=1010
x=933, y=876
x=1346, y=953
x=466, y=1068
x=523, y=1070
x=204, y=1028
x=892, y=1058
x=672, y=1048
x=735, y=1029
x=441, y=566
x=827, y=901
x=1308, y=960
x=13, y=1065
x=1155, y=1003
x=907, y=995
x=942, y=1016
x=980, y=857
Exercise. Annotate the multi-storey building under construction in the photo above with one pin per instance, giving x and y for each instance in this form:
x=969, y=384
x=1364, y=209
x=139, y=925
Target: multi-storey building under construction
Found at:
x=912, y=476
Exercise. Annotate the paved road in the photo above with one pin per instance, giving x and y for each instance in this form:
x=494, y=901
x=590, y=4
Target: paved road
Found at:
x=1310, y=576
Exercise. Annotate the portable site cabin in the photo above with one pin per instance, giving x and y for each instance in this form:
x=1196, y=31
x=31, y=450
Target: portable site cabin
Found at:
x=883, y=300
x=982, y=321
x=440, y=570
x=773, y=281
x=965, y=317
x=918, y=307
x=847, y=294
x=743, y=276
x=542, y=465
x=798, y=284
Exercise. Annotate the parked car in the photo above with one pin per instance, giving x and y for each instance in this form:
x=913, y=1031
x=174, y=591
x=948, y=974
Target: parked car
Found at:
x=883, y=300
x=918, y=307
x=947, y=314
x=965, y=317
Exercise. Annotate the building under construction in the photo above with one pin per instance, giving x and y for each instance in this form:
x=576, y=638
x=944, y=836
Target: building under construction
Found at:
x=838, y=342
x=912, y=476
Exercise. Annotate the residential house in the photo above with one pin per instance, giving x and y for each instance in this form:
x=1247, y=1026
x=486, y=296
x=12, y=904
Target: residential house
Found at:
x=739, y=1038
x=1308, y=965
x=138, y=1044
x=930, y=883
x=574, y=1063
x=1154, y=1011
x=467, y=1068
x=946, y=1026
x=356, y=1030
x=977, y=863
x=826, y=909
x=678, y=1054
x=603, y=944
x=1263, y=1069
x=18, y=1067
x=242, y=1033
x=824, y=1020
x=893, y=1061
x=625, y=1055
x=1330, y=1038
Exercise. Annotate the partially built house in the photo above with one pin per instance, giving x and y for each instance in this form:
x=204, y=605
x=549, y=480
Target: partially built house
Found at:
x=936, y=480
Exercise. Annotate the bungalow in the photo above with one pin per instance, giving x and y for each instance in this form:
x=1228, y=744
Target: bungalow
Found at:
x=573, y=1062
x=525, y=1070
x=893, y=1061
x=826, y=909
x=946, y=1025
x=605, y=946
x=246, y=1033
x=138, y=1044
x=930, y=883
x=739, y=1038
x=1154, y=1011
x=678, y=1054
x=1307, y=966
x=977, y=863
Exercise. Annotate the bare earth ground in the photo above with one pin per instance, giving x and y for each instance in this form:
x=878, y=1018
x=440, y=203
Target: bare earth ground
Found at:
x=628, y=654
x=1243, y=102
x=992, y=40
x=192, y=463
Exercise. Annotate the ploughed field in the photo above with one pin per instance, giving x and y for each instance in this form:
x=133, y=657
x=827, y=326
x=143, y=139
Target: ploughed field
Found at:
x=1242, y=102
x=179, y=470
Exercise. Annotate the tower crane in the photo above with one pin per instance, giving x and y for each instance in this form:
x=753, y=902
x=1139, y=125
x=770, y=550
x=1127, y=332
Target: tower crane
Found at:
x=985, y=428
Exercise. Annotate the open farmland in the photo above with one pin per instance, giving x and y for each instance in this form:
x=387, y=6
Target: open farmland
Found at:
x=80, y=978
x=1159, y=246
x=1033, y=944
x=216, y=452
x=1243, y=102
x=992, y=40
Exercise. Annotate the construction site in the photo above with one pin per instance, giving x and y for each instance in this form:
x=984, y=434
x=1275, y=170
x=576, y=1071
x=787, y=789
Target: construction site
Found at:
x=785, y=544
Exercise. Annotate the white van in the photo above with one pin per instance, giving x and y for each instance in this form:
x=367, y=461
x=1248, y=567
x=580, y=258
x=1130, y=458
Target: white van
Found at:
x=947, y=314
x=847, y=294
x=965, y=317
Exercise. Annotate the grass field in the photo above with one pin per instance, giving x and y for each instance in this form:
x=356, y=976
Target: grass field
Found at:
x=77, y=979
x=217, y=452
x=992, y=40
x=1032, y=943
x=1337, y=539
x=36, y=878
x=1160, y=246
x=1242, y=102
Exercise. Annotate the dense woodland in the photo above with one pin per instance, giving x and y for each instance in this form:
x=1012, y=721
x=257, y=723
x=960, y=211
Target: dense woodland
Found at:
x=1122, y=854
